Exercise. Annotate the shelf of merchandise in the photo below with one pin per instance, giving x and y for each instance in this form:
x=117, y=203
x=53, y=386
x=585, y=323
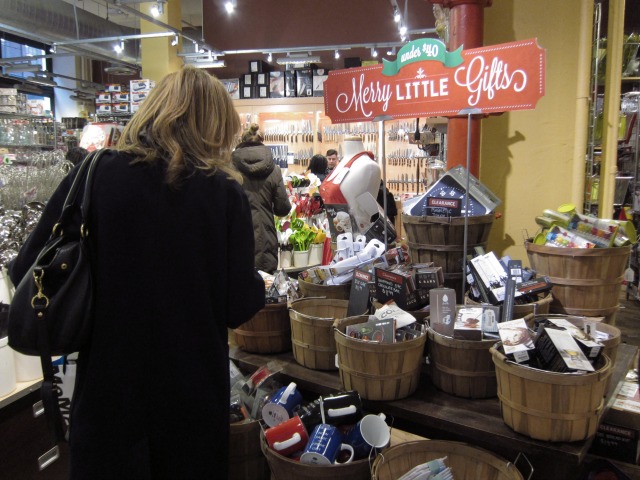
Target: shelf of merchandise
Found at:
x=45, y=128
x=297, y=128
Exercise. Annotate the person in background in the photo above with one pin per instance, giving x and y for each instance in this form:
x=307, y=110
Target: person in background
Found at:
x=265, y=188
x=332, y=160
x=392, y=210
x=76, y=154
x=172, y=257
x=318, y=166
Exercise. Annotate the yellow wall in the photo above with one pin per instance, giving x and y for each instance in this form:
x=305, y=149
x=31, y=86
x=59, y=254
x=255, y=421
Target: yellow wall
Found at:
x=159, y=57
x=535, y=159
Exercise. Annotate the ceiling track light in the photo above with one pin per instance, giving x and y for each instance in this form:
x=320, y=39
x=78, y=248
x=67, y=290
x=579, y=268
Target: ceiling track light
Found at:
x=174, y=42
x=391, y=51
x=374, y=52
x=403, y=30
x=336, y=55
x=396, y=15
x=119, y=48
x=297, y=59
x=269, y=57
x=21, y=68
x=157, y=9
x=230, y=6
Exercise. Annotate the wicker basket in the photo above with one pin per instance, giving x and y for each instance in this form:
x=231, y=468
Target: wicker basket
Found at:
x=269, y=331
x=550, y=406
x=466, y=462
x=378, y=371
x=338, y=292
x=246, y=459
x=312, y=331
x=586, y=281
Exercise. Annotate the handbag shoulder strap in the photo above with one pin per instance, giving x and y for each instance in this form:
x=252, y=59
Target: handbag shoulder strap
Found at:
x=86, y=196
x=71, y=207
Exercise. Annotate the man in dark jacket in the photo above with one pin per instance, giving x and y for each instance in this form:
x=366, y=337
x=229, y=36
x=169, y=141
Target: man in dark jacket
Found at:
x=264, y=186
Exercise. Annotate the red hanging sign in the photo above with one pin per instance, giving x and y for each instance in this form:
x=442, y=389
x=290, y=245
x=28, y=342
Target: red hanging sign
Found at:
x=421, y=83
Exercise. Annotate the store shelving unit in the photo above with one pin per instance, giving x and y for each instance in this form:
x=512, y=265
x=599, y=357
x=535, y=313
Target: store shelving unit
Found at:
x=297, y=128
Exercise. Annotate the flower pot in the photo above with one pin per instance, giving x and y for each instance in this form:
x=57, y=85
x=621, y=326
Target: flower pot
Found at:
x=315, y=254
x=285, y=258
x=300, y=258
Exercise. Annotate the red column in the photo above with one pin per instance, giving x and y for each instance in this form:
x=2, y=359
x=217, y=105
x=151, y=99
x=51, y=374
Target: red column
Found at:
x=466, y=27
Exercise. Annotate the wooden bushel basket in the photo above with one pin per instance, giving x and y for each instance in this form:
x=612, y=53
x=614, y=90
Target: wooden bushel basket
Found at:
x=246, y=459
x=463, y=368
x=586, y=281
x=338, y=292
x=466, y=462
x=284, y=468
x=550, y=406
x=312, y=331
x=441, y=240
x=269, y=331
x=378, y=371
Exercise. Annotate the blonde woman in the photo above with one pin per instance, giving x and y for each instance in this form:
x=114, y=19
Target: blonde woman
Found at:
x=173, y=260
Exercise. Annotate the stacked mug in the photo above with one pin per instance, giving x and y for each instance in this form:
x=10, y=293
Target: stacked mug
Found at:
x=330, y=430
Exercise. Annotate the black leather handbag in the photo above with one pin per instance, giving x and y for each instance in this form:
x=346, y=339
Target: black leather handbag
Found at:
x=51, y=311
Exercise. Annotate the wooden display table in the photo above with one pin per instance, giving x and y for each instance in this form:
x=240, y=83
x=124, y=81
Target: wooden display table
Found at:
x=434, y=414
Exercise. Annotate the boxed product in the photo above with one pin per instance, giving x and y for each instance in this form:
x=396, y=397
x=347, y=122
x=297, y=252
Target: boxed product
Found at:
x=320, y=75
x=442, y=302
x=120, y=107
x=276, y=84
x=113, y=87
x=120, y=97
x=247, y=91
x=104, y=108
x=141, y=85
x=374, y=330
x=557, y=351
x=591, y=348
x=259, y=66
x=290, y=83
x=135, y=106
x=304, y=82
x=233, y=87
x=139, y=96
x=516, y=340
x=103, y=97
x=263, y=91
x=398, y=285
x=468, y=323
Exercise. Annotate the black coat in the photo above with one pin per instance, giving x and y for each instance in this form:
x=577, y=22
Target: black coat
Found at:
x=264, y=186
x=173, y=270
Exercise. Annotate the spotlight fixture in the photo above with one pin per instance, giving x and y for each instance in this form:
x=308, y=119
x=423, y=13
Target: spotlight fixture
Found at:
x=174, y=42
x=336, y=55
x=403, y=30
x=21, y=68
x=269, y=57
x=391, y=51
x=374, y=52
x=52, y=49
x=230, y=6
x=396, y=15
x=119, y=48
x=157, y=9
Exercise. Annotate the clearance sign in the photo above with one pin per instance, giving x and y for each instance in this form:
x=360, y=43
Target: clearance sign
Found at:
x=426, y=80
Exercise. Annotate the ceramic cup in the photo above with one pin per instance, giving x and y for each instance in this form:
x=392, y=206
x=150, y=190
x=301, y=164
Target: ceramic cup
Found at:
x=288, y=437
x=370, y=432
x=341, y=408
x=282, y=405
x=325, y=443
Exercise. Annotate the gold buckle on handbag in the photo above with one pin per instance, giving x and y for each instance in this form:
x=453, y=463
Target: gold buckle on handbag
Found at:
x=37, y=278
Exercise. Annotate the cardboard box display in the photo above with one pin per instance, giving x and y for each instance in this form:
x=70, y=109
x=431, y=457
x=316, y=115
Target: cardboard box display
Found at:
x=442, y=302
x=248, y=79
x=320, y=75
x=113, y=87
x=468, y=323
x=276, y=84
x=263, y=91
x=304, y=82
x=517, y=341
x=135, y=106
x=262, y=79
x=8, y=91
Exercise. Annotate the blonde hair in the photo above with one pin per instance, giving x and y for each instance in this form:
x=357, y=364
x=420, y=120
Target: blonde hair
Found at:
x=187, y=121
x=253, y=134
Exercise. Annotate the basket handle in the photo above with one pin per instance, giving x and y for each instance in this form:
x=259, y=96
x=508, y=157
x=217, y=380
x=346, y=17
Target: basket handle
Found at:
x=515, y=464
